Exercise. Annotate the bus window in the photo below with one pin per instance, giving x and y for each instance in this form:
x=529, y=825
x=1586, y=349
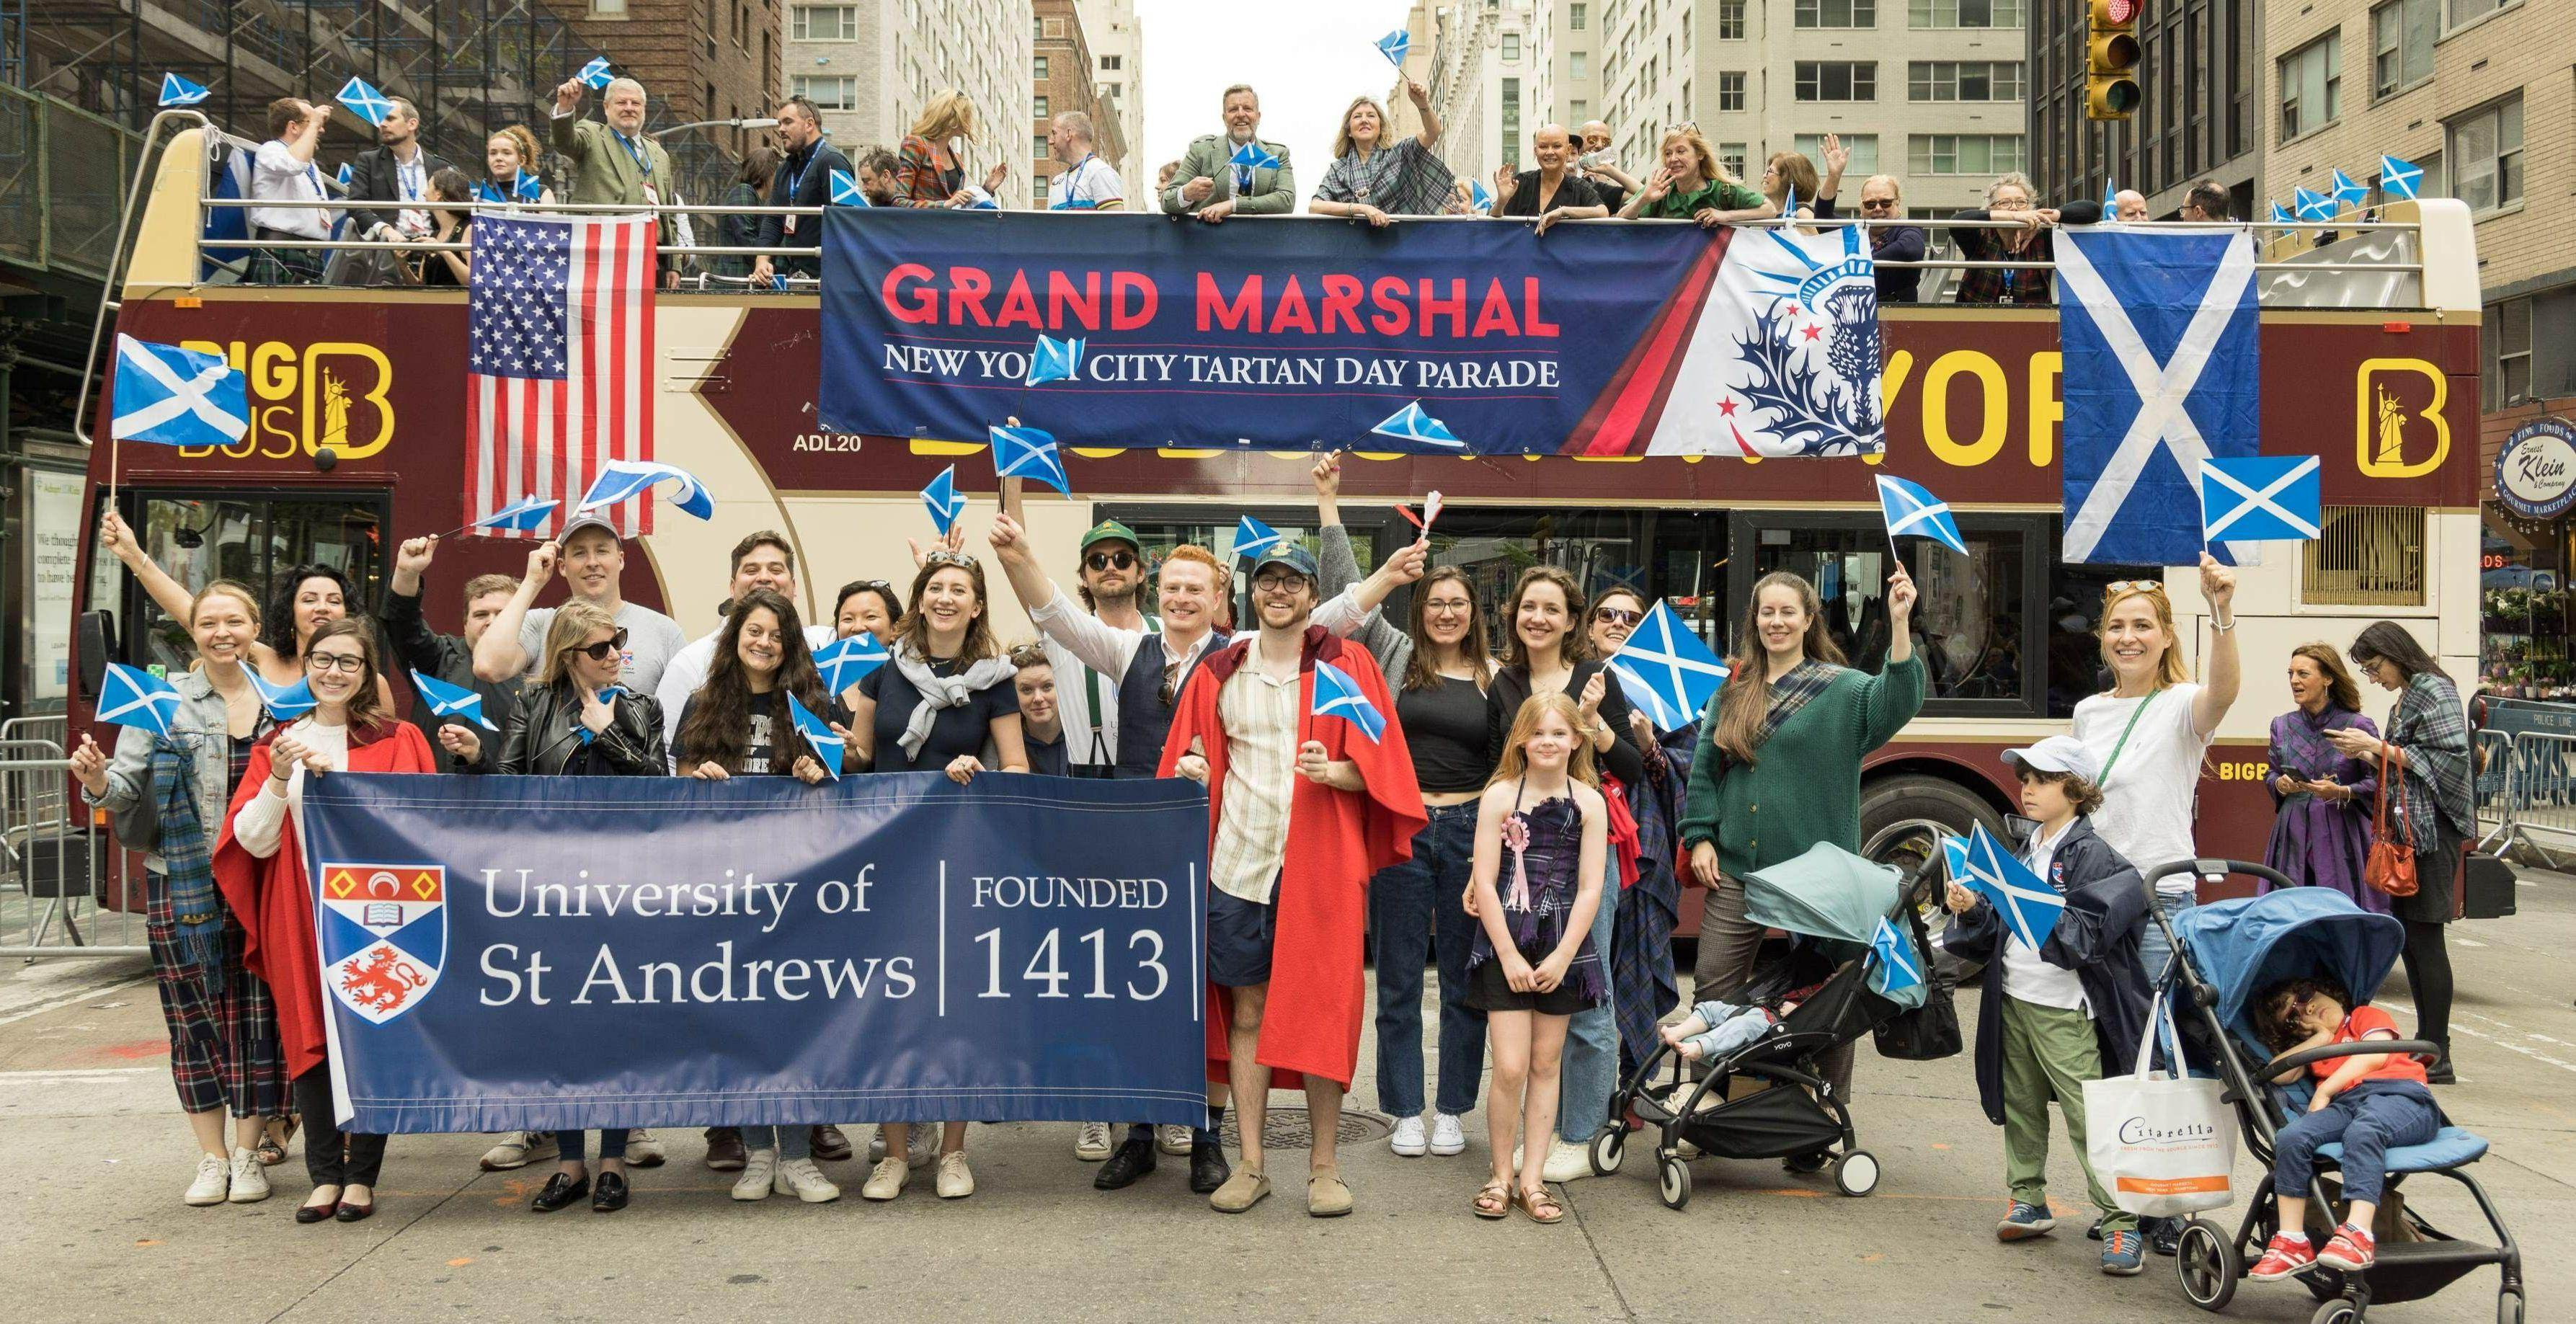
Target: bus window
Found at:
x=245, y=537
x=2075, y=667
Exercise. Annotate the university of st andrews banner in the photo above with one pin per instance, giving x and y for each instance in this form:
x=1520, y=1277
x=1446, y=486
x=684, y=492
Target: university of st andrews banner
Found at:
x=545, y=953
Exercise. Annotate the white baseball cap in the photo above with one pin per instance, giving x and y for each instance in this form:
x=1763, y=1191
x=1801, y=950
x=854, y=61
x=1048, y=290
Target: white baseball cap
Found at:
x=2058, y=754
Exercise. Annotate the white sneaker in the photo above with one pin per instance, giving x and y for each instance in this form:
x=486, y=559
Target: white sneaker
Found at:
x=250, y=1180
x=1174, y=1140
x=1407, y=1140
x=518, y=1149
x=214, y=1178
x=759, y=1171
x=1566, y=1162
x=643, y=1151
x=886, y=1180
x=800, y=1178
x=1448, y=1134
x=1091, y=1144
x=956, y=1180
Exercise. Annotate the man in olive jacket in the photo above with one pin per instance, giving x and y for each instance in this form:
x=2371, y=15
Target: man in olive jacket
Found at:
x=1211, y=187
x=615, y=164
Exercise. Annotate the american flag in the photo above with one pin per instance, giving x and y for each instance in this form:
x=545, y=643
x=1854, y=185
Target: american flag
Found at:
x=559, y=365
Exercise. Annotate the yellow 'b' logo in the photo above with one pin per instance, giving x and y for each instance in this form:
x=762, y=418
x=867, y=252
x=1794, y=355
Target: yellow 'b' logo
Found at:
x=2395, y=405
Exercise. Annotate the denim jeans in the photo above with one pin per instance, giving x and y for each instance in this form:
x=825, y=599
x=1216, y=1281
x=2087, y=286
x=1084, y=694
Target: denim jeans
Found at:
x=2153, y=948
x=1415, y=909
x=2371, y=1118
x=575, y=1145
x=1591, y=1072
x=791, y=1142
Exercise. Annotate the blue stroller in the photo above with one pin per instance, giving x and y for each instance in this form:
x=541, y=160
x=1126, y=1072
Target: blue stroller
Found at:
x=2229, y=952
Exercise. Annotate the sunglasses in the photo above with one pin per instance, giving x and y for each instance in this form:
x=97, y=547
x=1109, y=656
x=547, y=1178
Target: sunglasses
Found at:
x=946, y=557
x=603, y=650
x=1617, y=616
x=2121, y=588
x=1104, y=560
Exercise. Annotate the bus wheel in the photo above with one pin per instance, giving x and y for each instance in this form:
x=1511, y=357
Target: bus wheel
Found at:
x=1902, y=817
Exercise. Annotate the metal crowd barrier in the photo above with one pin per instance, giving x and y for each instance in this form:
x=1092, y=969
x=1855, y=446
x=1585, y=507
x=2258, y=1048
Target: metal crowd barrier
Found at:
x=66, y=888
x=2533, y=794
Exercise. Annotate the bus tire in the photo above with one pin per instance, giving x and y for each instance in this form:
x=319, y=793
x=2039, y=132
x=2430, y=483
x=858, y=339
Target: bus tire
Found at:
x=1897, y=811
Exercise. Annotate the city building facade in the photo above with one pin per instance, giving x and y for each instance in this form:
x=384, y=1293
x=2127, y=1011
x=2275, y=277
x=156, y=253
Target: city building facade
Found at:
x=1479, y=61
x=2200, y=115
x=1061, y=65
x=1118, y=76
x=871, y=66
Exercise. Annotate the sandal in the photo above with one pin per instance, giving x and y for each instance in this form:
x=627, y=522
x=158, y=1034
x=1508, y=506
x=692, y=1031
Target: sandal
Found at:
x=272, y=1146
x=1531, y=1201
x=1494, y=1200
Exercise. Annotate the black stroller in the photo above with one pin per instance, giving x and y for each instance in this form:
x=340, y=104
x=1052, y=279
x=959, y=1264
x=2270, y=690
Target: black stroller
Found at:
x=1799, y=1113
x=2228, y=952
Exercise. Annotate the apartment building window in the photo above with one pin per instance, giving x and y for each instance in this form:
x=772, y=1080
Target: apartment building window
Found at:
x=828, y=92
x=1578, y=64
x=1579, y=111
x=1965, y=13
x=2464, y=11
x=2485, y=147
x=1511, y=46
x=822, y=22
x=2312, y=86
x=1039, y=150
x=1963, y=153
x=1109, y=63
x=1038, y=190
x=1109, y=91
x=1837, y=80
x=1576, y=17
x=1037, y=29
x=1685, y=29
x=1964, y=80
x=1038, y=67
x=1730, y=89
x=608, y=8
x=1731, y=156
x=1038, y=107
x=2402, y=33
x=1512, y=122
x=2506, y=336
x=1730, y=20
x=1862, y=146
x=1837, y=13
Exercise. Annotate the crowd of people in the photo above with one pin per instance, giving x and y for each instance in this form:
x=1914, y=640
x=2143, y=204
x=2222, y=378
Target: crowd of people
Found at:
x=393, y=189
x=1520, y=829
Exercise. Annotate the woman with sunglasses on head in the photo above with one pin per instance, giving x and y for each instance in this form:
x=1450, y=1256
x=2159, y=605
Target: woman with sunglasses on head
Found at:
x=1645, y=842
x=259, y=864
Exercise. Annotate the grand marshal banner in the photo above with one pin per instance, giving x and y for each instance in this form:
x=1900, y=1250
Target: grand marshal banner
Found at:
x=543, y=953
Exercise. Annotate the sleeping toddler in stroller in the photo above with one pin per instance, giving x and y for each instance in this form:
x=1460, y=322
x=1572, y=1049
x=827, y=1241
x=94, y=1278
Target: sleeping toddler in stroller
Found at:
x=2371, y=1103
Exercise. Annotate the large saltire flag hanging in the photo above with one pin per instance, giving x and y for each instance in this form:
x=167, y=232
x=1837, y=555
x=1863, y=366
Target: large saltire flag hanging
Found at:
x=1783, y=359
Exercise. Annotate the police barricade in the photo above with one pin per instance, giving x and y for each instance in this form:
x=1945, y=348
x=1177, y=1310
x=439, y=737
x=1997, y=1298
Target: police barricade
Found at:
x=2539, y=809
x=63, y=880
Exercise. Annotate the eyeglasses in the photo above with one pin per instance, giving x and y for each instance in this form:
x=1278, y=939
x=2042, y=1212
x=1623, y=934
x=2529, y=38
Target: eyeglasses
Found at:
x=348, y=662
x=1104, y=560
x=2121, y=588
x=604, y=649
x=946, y=557
x=1278, y=583
x=1617, y=616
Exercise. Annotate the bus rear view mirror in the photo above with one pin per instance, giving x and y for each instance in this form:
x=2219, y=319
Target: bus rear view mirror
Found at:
x=97, y=649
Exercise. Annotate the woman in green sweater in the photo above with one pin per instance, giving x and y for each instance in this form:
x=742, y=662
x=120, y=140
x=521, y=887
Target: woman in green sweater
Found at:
x=1778, y=766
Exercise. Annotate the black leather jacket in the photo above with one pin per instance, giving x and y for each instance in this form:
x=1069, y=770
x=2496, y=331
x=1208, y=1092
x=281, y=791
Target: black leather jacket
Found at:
x=544, y=735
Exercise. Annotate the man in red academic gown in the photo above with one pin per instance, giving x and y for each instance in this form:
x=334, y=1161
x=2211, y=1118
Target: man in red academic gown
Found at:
x=1302, y=810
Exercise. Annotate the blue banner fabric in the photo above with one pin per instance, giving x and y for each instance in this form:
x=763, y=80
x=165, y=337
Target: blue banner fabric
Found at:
x=1278, y=334
x=551, y=953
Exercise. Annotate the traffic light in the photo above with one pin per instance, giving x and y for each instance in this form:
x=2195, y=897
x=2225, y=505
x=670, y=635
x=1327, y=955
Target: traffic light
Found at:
x=2111, y=60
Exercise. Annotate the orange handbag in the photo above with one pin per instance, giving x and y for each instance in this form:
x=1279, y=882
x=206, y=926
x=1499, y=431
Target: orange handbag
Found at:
x=2391, y=867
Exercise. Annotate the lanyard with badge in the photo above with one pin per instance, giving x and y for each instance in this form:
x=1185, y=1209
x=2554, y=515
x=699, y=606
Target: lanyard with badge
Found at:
x=793, y=181
x=1071, y=181
x=643, y=168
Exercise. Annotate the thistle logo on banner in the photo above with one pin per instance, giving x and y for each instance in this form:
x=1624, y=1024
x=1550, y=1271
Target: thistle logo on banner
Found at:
x=384, y=935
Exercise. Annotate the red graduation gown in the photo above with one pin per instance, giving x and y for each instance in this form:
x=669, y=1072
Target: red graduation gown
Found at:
x=1336, y=840
x=274, y=903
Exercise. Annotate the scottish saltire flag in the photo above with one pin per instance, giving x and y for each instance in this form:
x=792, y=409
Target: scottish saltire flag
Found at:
x=1411, y=424
x=945, y=503
x=595, y=75
x=1665, y=670
x=1053, y=360
x=1393, y=46
x=1481, y=196
x=131, y=696
x=1252, y=537
x=2162, y=371
x=177, y=91
x=2400, y=179
x=2110, y=201
x=524, y=187
x=2349, y=192
x=2312, y=205
x=447, y=700
x=845, y=662
x=1913, y=512
x=170, y=396
x=559, y=360
x=522, y=517
x=818, y=734
x=2028, y=906
x=343, y=176
x=1025, y=452
x=1954, y=859
x=2265, y=498
x=364, y=101
x=1783, y=358
x=283, y=702
x=1254, y=156
x=846, y=191
x=2281, y=215
x=624, y=480
x=1894, y=965
x=1337, y=695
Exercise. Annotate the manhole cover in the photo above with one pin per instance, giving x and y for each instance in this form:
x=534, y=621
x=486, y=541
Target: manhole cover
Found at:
x=1291, y=1128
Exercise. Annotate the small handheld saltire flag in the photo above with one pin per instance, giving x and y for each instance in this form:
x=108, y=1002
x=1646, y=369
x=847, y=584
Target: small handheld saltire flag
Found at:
x=2110, y=200
x=2162, y=370
x=1053, y=360
x=1411, y=424
x=1666, y=670
x=1338, y=695
x=344, y=176
x=819, y=734
x=2312, y=205
x=845, y=662
x=2262, y=498
x=1954, y=858
x=945, y=503
x=2400, y=179
x=1914, y=512
x=622, y=479
x=595, y=75
x=1481, y=196
x=131, y=696
x=1393, y=46
x=1892, y=959
x=283, y=702
x=2349, y=191
x=1252, y=537
x=170, y=396
x=177, y=91
x=364, y=101
x=606, y=694
x=447, y=700
x=2281, y=215
x=524, y=517
x=1025, y=452
x=2028, y=906
x=846, y=191
x=1254, y=156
